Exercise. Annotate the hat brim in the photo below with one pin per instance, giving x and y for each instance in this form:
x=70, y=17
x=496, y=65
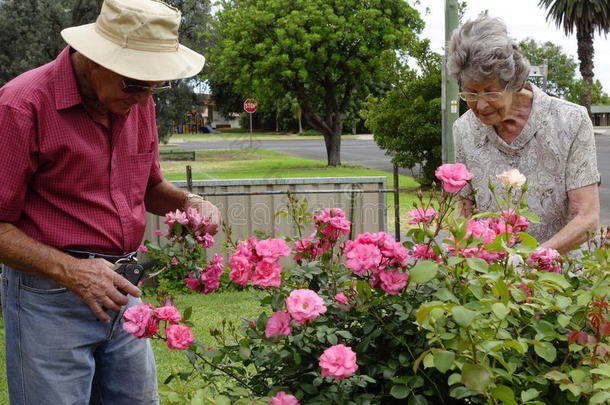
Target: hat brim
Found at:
x=135, y=64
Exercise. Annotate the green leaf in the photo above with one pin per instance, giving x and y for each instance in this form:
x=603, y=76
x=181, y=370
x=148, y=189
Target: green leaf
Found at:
x=500, y=310
x=602, y=384
x=504, y=394
x=584, y=298
x=527, y=239
x=603, y=369
x=563, y=320
x=454, y=379
x=599, y=398
x=530, y=394
x=501, y=291
x=423, y=272
x=475, y=377
x=443, y=360
x=399, y=391
x=463, y=316
x=445, y=295
x=547, y=351
x=477, y=264
x=553, y=278
x=530, y=216
x=244, y=352
x=417, y=400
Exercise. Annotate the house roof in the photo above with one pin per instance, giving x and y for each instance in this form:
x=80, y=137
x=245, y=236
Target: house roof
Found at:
x=600, y=109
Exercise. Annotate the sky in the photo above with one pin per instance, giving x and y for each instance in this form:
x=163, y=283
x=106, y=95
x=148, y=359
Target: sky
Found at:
x=524, y=19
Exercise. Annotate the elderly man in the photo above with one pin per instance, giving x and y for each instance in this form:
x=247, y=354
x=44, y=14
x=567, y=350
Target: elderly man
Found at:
x=512, y=124
x=79, y=169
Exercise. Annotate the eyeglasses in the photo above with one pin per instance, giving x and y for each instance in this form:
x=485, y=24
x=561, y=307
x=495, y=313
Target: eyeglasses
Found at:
x=489, y=96
x=133, y=86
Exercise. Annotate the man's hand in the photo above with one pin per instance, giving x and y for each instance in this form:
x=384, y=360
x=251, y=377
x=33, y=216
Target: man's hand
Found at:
x=207, y=210
x=98, y=285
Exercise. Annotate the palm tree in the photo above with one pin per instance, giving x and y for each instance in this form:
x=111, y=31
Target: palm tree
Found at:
x=586, y=16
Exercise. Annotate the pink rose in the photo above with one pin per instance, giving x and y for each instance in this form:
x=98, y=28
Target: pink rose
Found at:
x=341, y=298
x=281, y=398
x=331, y=222
x=546, y=259
x=211, y=281
x=173, y=262
x=338, y=361
x=393, y=281
x=278, y=324
x=142, y=248
x=139, y=320
x=168, y=313
x=421, y=215
x=192, y=283
x=304, y=305
x=179, y=337
x=240, y=269
x=454, y=176
x=423, y=251
x=267, y=274
x=362, y=257
x=271, y=249
x=158, y=232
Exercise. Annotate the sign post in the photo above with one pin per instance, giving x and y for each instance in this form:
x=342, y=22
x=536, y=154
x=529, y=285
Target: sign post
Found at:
x=250, y=108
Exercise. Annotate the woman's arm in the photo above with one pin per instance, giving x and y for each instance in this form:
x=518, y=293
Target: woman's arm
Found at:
x=584, y=209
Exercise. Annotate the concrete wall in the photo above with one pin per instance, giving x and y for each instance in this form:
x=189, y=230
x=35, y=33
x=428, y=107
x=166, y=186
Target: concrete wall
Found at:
x=249, y=213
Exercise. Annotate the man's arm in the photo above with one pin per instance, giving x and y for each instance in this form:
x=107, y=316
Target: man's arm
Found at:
x=584, y=209
x=93, y=280
x=165, y=197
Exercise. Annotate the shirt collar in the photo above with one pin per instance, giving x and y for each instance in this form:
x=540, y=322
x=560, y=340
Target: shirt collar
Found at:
x=66, y=88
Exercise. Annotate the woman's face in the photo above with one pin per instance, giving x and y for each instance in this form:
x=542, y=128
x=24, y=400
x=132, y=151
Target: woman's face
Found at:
x=489, y=100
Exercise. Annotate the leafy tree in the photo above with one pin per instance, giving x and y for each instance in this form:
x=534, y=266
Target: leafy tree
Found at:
x=407, y=120
x=598, y=96
x=561, y=67
x=585, y=17
x=171, y=106
x=319, y=51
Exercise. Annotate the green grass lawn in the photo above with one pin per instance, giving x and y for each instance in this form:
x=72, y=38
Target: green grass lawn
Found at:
x=208, y=312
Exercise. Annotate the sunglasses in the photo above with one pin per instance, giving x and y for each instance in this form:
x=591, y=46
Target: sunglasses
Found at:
x=133, y=86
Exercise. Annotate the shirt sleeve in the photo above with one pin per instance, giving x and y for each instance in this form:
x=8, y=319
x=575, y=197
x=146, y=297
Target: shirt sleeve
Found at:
x=18, y=153
x=581, y=167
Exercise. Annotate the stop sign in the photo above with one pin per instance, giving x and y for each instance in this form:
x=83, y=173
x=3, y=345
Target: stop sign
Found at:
x=250, y=106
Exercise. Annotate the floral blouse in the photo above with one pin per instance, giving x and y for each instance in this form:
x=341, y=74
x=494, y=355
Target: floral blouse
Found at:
x=555, y=151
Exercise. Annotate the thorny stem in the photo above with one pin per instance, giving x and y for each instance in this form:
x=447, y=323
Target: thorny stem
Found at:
x=235, y=377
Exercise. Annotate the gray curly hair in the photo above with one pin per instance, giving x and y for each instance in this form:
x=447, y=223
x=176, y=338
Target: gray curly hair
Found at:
x=481, y=50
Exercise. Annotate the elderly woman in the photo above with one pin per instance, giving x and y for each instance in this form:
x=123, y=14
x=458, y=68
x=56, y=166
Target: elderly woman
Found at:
x=512, y=124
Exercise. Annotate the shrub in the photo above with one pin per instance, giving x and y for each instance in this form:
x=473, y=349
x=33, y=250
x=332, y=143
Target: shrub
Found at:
x=467, y=311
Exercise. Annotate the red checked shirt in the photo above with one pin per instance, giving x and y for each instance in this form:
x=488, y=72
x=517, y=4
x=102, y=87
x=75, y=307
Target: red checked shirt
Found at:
x=66, y=179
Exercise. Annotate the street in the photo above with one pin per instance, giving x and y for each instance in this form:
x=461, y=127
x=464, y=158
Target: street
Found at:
x=366, y=153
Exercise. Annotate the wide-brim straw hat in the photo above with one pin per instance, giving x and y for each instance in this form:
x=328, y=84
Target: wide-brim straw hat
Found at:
x=137, y=39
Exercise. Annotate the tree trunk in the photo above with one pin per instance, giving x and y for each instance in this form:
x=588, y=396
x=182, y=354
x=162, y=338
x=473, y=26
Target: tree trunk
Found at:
x=333, y=147
x=584, y=39
x=300, y=122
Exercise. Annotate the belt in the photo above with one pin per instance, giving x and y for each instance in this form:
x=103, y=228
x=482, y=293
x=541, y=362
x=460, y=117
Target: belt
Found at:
x=91, y=255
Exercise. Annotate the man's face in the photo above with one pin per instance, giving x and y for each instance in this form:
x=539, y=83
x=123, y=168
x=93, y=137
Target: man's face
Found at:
x=110, y=89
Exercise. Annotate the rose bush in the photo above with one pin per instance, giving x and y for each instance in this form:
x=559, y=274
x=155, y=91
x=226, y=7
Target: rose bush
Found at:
x=468, y=310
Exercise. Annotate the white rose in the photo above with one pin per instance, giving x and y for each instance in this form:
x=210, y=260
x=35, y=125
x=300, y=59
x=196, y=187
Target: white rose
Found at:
x=511, y=178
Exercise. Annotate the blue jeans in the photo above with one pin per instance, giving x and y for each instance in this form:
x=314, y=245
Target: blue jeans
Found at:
x=58, y=353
